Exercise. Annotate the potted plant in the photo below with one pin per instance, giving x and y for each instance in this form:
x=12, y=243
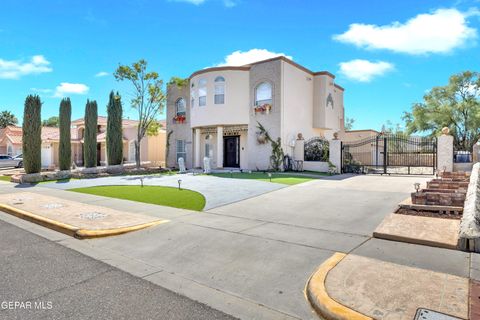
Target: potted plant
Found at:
x=264, y=108
x=261, y=138
x=179, y=118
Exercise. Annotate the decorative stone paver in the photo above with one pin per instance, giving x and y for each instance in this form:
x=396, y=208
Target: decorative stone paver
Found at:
x=389, y=291
x=474, y=299
x=428, y=231
x=76, y=214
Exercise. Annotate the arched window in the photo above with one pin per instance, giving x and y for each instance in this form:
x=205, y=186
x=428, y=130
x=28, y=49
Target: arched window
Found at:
x=219, y=90
x=180, y=107
x=202, y=92
x=263, y=94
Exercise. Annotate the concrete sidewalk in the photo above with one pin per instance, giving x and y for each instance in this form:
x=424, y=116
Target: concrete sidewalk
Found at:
x=252, y=258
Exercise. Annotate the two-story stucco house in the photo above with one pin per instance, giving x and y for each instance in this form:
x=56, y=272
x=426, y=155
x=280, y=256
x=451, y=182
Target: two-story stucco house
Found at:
x=217, y=114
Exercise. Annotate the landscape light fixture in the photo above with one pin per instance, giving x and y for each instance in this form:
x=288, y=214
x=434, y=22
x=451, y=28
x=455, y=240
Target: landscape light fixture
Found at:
x=417, y=186
x=270, y=176
x=179, y=184
x=141, y=181
x=231, y=174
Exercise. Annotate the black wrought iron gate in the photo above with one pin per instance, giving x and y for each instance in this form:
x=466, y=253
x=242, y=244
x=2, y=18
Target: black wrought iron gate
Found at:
x=390, y=154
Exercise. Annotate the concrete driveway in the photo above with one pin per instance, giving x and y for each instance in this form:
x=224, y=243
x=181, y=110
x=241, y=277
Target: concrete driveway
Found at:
x=252, y=258
x=217, y=191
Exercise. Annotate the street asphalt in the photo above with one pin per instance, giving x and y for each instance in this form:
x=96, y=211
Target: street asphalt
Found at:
x=44, y=280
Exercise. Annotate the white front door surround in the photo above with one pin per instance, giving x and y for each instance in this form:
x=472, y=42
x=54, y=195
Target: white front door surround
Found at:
x=197, y=160
x=220, y=147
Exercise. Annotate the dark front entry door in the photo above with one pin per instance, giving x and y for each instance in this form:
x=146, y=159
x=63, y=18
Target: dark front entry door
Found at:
x=231, y=151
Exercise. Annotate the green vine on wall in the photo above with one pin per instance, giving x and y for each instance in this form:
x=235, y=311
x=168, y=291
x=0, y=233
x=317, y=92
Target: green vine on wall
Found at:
x=167, y=147
x=276, y=159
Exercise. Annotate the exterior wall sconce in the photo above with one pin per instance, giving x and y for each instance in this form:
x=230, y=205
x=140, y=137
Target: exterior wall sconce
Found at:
x=417, y=186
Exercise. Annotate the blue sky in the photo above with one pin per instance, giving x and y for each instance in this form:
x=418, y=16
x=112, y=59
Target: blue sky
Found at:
x=386, y=54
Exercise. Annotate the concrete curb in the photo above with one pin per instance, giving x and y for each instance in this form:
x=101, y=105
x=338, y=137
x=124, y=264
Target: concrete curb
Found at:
x=72, y=230
x=320, y=300
x=88, y=234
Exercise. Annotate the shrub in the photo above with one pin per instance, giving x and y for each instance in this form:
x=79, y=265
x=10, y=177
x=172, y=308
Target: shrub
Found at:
x=32, y=135
x=114, y=130
x=90, y=136
x=65, y=147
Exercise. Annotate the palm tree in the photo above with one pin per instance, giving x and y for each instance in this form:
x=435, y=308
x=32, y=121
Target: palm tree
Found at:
x=7, y=119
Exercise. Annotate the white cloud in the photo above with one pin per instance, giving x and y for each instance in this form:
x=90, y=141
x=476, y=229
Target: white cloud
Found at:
x=438, y=32
x=70, y=88
x=240, y=58
x=364, y=70
x=15, y=69
x=101, y=74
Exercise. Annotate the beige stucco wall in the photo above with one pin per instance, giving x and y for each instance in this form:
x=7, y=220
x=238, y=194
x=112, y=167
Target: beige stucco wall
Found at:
x=236, y=107
x=156, y=148
x=180, y=131
x=259, y=154
x=325, y=116
x=297, y=87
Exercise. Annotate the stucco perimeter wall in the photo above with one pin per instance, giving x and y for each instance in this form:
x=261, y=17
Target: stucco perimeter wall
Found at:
x=297, y=106
x=156, y=148
x=130, y=133
x=469, y=236
x=445, y=152
x=180, y=131
x=318, y=166
x=259, y=154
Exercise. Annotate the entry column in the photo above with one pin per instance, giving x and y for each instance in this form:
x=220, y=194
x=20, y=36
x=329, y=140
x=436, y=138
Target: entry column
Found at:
x=197, y=161
x=220, y=147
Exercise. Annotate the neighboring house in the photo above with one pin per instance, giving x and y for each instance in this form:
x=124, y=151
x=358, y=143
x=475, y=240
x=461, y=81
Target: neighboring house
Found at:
x=216, y=114
x=356, y=135
x=152, y=148
x=11, y=140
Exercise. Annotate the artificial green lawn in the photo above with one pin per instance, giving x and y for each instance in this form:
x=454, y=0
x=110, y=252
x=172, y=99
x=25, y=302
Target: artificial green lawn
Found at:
x=5, y=178
x=164, y=196
x=283, y=178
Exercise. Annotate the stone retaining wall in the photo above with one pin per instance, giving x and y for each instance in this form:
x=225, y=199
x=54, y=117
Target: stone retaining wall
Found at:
x=453, y=199
x=442, y=184
x=85, y=173
x=454, y=175
x=469, y=235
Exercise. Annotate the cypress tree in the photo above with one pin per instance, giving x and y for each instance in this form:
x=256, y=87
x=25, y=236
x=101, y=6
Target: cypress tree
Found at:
x=114, y=130
x=65, y=147
x=90, y=136
x=32, y=134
